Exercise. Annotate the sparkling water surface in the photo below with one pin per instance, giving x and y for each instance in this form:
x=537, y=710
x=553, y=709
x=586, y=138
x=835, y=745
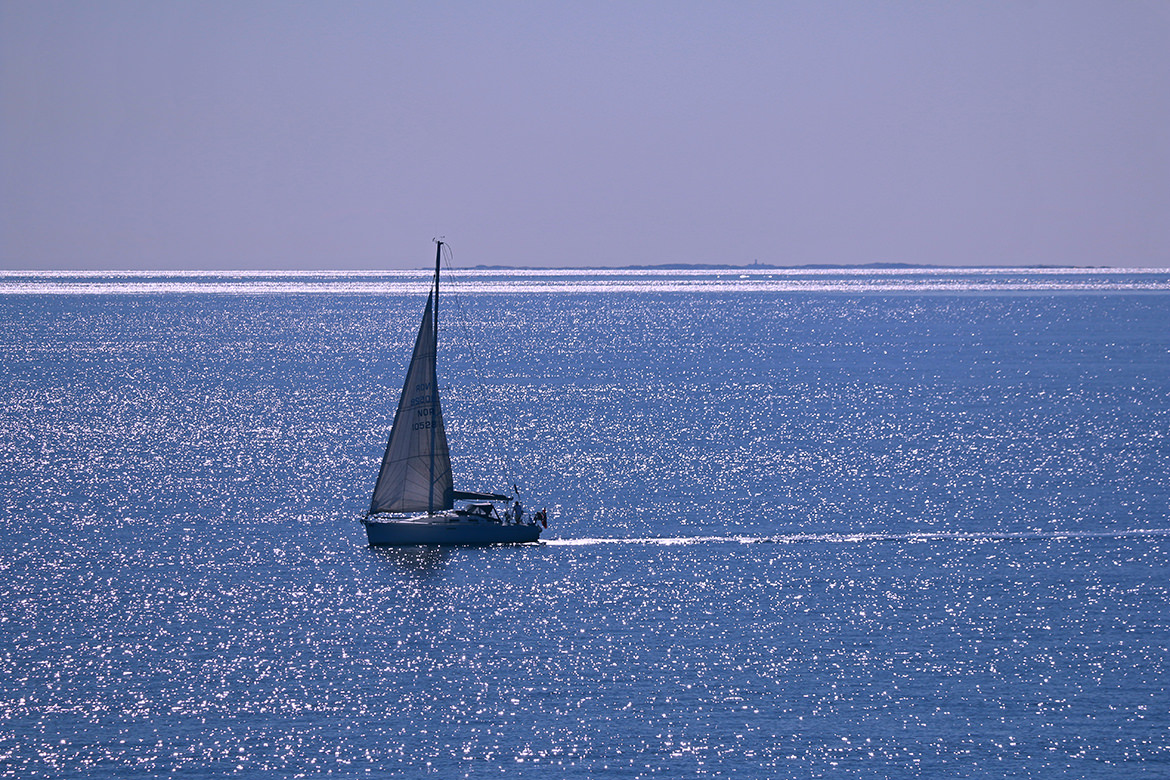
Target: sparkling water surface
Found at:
x=873, y=525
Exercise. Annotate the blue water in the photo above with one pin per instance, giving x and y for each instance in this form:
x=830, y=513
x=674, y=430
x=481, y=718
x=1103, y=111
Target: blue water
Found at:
x=900, y=524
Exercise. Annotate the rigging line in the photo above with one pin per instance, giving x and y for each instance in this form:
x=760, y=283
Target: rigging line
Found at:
x=464, y=331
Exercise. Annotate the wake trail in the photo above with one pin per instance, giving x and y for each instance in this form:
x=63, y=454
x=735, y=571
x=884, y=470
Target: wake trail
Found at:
x=669, y=541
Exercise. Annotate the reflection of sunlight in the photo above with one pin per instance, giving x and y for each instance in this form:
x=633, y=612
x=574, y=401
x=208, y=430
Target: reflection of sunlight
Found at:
x=581, y=280
x=425, y=560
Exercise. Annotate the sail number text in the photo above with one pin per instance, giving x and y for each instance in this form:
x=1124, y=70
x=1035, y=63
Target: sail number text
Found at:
x=426, y=403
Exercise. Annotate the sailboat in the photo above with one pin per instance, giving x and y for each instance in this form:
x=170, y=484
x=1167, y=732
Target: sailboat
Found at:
x=414, y=500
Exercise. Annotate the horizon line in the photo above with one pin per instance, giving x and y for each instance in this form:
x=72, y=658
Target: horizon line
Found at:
x=1044, y=267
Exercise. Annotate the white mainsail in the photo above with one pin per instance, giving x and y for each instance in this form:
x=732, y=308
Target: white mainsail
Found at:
x=416, y=469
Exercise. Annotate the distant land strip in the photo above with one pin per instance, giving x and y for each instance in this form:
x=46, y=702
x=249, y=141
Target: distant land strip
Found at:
x=774, y=267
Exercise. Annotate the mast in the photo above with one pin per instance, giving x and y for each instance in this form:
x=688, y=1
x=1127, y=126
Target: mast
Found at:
x=435, y=376
x=438, y=255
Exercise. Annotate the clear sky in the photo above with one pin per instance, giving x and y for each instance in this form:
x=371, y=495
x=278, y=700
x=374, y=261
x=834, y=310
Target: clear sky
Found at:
x=345, y=135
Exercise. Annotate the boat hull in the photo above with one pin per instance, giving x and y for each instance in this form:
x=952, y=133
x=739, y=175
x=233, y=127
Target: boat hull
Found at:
x=444, y=530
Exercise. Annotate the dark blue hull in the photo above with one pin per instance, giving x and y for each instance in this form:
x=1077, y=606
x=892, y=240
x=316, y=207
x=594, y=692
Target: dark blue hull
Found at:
x=447, y=530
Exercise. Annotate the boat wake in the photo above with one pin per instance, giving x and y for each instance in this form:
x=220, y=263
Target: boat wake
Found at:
x=670, y=541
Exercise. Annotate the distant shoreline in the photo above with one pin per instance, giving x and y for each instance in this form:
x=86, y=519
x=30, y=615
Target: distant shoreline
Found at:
x=774, y=267
x=600, y=269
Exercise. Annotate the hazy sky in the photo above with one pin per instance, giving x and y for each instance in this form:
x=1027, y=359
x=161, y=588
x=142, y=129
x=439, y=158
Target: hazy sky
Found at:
x=336, y=135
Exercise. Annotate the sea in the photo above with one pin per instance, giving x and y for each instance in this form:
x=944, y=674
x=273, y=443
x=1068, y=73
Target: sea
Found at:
x=803, y=523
